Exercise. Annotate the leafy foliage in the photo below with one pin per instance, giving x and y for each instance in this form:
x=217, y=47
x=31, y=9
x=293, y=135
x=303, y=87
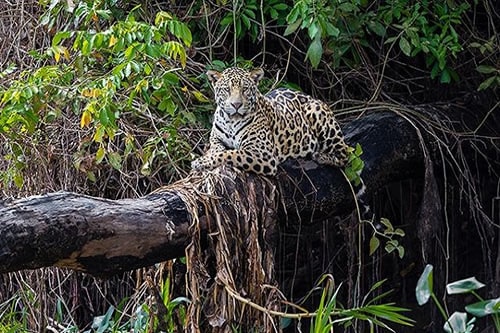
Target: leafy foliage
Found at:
x=105, y=74
x=331, y=313
x=458, y=322
x=244, y=15
x=338, y=26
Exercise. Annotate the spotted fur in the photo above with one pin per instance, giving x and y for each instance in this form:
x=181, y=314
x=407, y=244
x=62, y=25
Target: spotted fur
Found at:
x=256, y=133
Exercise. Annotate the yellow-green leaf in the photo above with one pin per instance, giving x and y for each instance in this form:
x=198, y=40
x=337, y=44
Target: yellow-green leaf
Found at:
x=200, y=97
x=374, y=244
x=99, y=156
x=112, y=41
x=86, y=119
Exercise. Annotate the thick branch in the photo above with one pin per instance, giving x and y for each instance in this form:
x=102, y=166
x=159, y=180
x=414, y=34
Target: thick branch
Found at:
x=103, y=237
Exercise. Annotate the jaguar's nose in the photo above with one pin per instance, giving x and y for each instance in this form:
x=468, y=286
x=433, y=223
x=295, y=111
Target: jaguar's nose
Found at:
x=236, y=105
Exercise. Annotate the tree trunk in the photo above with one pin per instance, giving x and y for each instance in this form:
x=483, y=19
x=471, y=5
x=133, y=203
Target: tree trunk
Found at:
x=104, y=237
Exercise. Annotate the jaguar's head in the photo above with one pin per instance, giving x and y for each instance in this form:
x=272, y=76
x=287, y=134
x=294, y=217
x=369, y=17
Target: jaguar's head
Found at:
x=235, y=89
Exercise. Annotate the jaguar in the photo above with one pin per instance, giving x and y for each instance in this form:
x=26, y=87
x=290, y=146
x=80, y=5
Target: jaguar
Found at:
x=256, y=132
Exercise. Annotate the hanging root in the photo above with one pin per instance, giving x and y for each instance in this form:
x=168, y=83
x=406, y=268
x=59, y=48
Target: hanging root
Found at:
x=235, y=261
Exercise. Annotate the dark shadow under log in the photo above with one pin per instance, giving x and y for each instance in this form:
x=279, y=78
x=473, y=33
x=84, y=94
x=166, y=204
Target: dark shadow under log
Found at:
x=103, y=237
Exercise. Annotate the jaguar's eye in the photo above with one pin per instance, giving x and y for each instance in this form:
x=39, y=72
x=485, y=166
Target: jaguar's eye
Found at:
x=246, y=89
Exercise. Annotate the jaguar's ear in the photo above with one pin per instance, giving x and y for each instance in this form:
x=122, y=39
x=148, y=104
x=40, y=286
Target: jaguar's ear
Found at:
x=213, y=76
x=257, y=74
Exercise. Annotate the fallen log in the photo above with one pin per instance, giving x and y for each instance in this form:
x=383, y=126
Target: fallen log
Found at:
x=104, y=237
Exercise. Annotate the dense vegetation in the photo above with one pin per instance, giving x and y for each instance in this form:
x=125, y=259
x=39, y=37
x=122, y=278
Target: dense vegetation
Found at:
x=109, y=98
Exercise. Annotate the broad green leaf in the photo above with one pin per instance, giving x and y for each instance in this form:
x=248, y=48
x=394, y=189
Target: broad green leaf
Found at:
x=314, y=31
x=99, y=156
x=359, y=150
x=246, y=21
x=424, y=289
x=463, y=286
x=170, y=78
x=99, y=133
x=486, y=69
x=390, y=246
x=60, y=35
x=227, y=20
x=314, y=52
x=332, y=30
x=445, y=76
x=405, y=46
x=101, y=323
x=86, y=47
x=280, y=6
x=484, y=308
x=357, y=164
x=292, y=27
x=147, y=69
x=347, y=7
x=457, y=323
x=385, y=221
x=399, y=232
x=377, y=28
x=18, y=180
x=374, y=244
x=401, y=251
x=487, y=83
x=115, y=160
x=91, y=176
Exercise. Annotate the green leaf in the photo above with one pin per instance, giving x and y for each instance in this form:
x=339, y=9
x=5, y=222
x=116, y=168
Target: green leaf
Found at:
x=463, y=286
x=332, y=30
x=347, y=7
x=405, y=46
x=91, y=176
x=314, y=52
x=280, y=6
x=385, y=221
x=374, y=244
x=483, y=69
x=18, y=180
x=359, y=150
x=99, y=156
x=445, y=76
x=484, y=308
x=399, y=232
x=101, y=323
x=60, y=35
x=377, y=28
x=314, y=31
x=227, y=20
x=147, y=69
x=86, y=47
x=292, y=27
x=170, y=78
x=115, y=160
x=401, y=251
x=390, y=246
x=486, y=83
x=245, y=20
x=424, y=286
x=457, y=323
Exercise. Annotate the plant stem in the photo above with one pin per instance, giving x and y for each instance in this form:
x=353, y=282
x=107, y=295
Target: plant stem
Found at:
x=440, y=307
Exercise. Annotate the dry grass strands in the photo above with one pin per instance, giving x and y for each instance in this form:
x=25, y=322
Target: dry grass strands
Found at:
x=239, y=211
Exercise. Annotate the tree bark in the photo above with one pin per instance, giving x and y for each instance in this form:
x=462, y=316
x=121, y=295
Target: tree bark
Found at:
x=103, y=237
